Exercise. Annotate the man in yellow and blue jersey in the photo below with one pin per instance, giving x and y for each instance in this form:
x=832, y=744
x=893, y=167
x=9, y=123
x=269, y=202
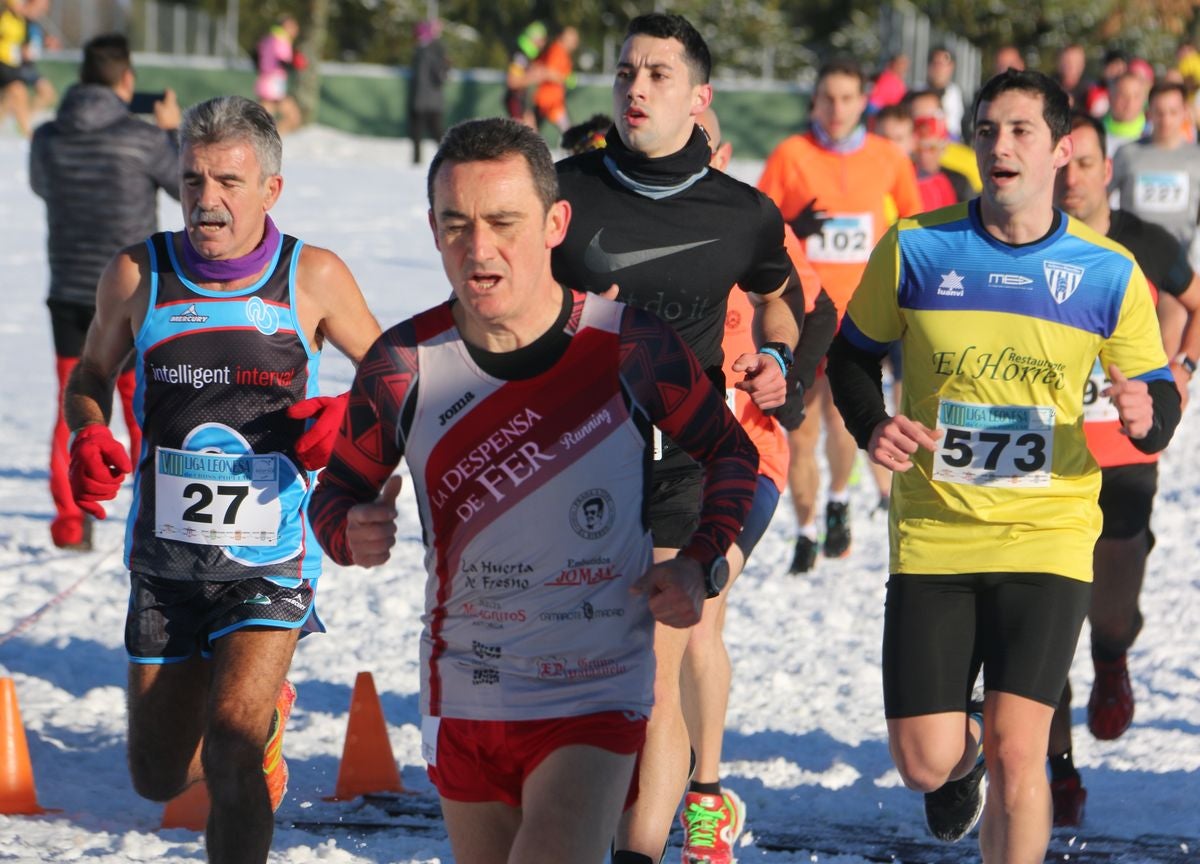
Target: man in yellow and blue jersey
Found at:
x=1001, y=306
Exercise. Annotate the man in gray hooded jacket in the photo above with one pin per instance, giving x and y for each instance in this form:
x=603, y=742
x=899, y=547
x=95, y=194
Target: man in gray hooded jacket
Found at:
x=98, y=168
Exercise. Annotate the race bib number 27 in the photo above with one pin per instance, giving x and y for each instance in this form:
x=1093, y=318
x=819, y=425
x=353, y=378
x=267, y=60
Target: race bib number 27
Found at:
x=994, y=445
x=217, y=499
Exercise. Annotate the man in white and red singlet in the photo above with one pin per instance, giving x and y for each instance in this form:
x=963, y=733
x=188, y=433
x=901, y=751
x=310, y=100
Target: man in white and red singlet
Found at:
x=524, y=411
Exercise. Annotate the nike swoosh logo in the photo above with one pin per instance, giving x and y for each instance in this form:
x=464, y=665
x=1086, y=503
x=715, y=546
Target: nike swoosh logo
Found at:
x=598, y=260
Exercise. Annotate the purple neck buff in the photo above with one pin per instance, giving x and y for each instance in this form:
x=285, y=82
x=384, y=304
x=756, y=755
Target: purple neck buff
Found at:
x=228, y=269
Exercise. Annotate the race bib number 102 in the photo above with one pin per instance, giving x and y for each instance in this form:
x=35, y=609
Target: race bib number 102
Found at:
x=846, y=238
x=216, y=499
x=994, y=445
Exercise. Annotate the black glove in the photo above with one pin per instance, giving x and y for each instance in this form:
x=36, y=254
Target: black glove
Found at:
x=809, y=221
x=791, y=413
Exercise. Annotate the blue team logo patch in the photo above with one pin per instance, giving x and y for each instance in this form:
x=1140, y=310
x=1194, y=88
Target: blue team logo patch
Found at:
x=1061, y=279
x=263, y=317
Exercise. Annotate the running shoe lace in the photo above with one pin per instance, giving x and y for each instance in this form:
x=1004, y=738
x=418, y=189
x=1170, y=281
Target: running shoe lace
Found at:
x=702, y=824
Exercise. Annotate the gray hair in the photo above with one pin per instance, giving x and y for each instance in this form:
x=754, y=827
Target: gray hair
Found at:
x=234, y=118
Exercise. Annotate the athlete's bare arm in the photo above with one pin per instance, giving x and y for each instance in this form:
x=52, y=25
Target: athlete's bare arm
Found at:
x=331, y=305
x=121, y=297
x=1172, y=319
x=778, y=317
x=1190, y=345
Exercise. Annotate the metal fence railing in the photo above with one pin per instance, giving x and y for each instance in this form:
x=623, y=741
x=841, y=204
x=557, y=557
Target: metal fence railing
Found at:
x=153, y=27
x=904, y=28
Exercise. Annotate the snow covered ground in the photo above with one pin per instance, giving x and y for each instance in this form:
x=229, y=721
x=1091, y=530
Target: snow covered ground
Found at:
x=806, y=741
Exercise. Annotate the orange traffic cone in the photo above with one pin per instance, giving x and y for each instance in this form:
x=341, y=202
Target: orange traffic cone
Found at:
x=188, y=809
x=368, y=764
x=17, y=793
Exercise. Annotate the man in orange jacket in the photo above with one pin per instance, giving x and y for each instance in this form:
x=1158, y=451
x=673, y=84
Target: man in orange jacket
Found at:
x=831, y=185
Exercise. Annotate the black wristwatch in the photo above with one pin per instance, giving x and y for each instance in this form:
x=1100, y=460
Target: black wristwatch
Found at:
x=781, y=351
x=1186, y=362
x=716, y=574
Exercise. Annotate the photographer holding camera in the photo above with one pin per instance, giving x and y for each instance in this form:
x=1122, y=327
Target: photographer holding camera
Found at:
x=99, y=169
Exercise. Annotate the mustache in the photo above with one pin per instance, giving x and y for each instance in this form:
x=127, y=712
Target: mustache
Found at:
x=219, y=215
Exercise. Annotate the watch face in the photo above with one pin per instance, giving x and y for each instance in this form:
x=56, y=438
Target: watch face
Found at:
x=718, y=576
x=783, y=349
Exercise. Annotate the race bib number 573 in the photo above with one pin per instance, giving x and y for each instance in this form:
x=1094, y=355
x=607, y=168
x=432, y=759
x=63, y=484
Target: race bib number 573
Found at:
x=216, y=499
x=994, y=445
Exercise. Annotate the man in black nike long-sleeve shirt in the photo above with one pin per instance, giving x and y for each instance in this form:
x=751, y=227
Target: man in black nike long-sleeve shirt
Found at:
x=674, y=236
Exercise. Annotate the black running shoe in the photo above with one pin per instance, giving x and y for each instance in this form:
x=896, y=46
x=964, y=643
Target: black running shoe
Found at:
x=952, y=811
x=805, y=557
x=837, y=530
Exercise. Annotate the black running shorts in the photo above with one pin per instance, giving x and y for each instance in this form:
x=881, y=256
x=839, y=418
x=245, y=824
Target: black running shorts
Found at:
x=673, y=508
x=169, y=620
x=1126, y=499
x=939, y=629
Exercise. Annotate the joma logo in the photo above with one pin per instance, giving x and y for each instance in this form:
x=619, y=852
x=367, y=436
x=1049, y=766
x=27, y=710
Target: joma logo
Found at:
x=462, y=403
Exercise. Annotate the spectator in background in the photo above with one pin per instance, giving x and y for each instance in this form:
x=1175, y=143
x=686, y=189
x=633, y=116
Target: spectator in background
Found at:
x=1126, y=119
x=36, y=42
x=587, y=136
x=522, y=74
x=1143, y=70
x=1187, y=62
x=1071, y=66
x=555, y=65
x=1008, y=57
x=889, y=87
x=73, y=159
x=939, y=77
x=275, y=57
x=895, y=123
x=1116, y=64
x=426, y=101
x=939, y=185
x=14, y=97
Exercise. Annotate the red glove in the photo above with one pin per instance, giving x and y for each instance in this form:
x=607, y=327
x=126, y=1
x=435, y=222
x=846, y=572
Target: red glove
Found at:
x=299, y=61
x=98, y=466
x=316, y=443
